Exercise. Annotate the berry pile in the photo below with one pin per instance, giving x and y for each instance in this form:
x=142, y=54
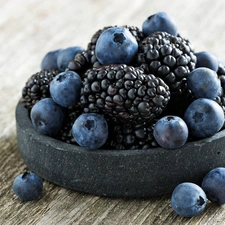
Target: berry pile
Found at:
x=132, y=89
x=149, y=86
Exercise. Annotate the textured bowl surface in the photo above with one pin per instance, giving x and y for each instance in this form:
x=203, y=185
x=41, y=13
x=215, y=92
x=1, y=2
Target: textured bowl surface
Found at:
x=117, y=173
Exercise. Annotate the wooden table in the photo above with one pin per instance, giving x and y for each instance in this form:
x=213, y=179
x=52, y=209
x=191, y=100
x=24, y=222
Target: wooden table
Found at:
x=28, y=30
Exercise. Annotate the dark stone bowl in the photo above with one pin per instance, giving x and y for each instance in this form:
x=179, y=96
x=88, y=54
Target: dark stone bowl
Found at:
x=117, y=173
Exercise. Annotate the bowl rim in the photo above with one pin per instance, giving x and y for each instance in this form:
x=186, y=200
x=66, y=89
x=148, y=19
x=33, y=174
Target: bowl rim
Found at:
x=64, y=146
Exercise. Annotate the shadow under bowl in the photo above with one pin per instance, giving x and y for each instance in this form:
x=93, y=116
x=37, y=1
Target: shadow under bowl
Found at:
x=117, y=173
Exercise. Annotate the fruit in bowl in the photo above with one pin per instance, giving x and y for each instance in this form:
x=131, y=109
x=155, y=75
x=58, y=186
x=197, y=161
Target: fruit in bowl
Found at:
x=104, y=121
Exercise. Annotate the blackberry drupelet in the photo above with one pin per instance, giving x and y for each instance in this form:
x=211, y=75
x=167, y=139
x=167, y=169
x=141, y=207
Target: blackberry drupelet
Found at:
x=129, y=136
x=37, y=87
x=124, y=93
x=220, y=99
x=179, y=100
x=65, y=134
x=81, y=62
x=87, y=59
x=169, y=57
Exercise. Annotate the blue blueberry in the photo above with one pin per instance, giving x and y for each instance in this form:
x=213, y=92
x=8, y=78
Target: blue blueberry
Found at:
x=65, y=88
x=66, y=55
x=214, y=185
x=207, y=59
x=47, y=117
x=28, y=186
x=204, y=83
x=116, y=45
x=188, y=199
x=159, y=22
x=170, y=132
x=49, y=61
x=90, y=130
x=204, y=118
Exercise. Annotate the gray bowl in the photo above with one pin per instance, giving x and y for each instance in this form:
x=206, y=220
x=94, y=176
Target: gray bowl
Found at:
x=117, y=173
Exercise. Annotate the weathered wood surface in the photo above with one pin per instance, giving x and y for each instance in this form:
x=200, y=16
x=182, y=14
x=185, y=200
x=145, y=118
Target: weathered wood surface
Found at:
x=29, y=29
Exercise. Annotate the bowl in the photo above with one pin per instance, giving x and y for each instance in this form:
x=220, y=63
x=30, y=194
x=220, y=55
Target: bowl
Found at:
x=116, y=173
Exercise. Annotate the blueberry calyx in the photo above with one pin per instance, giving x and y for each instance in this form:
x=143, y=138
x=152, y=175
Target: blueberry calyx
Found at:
x=200, y=201
x=89, y=124
x=119, y=38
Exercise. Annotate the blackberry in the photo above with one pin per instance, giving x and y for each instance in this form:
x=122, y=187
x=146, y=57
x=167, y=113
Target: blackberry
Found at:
x=87, y=59
x=65, y=134
x=220, y=99
x=37, y=87
x=166, y=56
x=221, y=69
x=129, y=136
x=179, y=100
x=81, y=62
x=124, y=93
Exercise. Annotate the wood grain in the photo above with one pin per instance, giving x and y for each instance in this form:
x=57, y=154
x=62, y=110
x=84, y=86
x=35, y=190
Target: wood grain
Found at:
x=29, y=29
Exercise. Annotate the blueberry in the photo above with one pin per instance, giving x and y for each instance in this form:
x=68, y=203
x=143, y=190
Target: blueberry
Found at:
x=90, y=130
x=170, y=132
x=66, y=55
x=116, y=45
x=159, y=22
x=28, y=186
x=204, y=118
x=214, y=185
x=207, y=59
x=204, y=83
x=188, y=199
x=65, y=88
x=47, y=117
x=49, y=61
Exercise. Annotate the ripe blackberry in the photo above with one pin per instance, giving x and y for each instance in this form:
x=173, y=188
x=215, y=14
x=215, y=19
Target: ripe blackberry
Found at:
x=87, y=59
x=65, y=134
x=220, y=99
x=81, y=62
x=179, y=100
x=37, y=87
x=129, y=136
x=124, y=93
x=169, y=57
x=221, y=69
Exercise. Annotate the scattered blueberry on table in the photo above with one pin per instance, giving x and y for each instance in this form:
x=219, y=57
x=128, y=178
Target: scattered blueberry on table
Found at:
x=28, y=186
x=188, y=199
x=213, y=184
